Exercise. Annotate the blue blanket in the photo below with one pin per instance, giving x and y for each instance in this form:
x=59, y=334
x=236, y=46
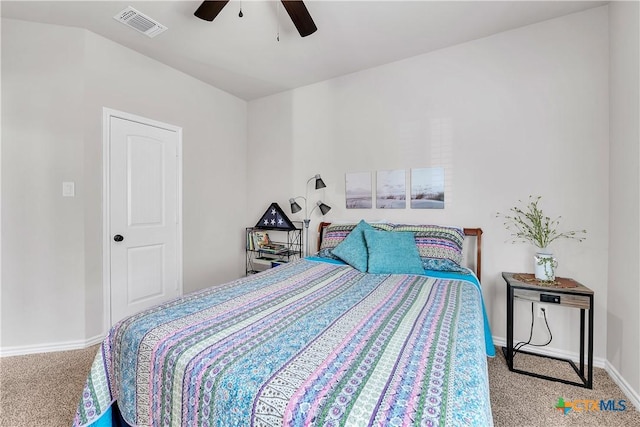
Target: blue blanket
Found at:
x=471, y=278
x=306, y=343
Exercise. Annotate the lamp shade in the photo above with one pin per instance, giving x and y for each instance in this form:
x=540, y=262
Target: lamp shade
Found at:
x=324, y=208
x=295, y=207
x=319, y=182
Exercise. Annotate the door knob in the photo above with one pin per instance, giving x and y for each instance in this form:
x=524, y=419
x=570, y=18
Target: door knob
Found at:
x=118, y=238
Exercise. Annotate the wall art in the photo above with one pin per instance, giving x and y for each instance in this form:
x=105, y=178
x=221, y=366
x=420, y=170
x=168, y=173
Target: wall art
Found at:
x=391, y=190
x=358, y=190
x=427, y=188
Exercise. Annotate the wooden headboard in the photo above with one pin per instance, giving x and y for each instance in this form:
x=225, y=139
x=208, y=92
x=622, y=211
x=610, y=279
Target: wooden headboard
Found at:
x=470, y=232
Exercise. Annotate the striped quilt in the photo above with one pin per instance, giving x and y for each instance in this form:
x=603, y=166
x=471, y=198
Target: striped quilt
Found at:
x=307, y=343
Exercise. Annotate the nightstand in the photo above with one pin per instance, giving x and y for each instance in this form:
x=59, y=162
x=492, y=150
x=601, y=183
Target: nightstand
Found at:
x=284, y=245
x=563, y=292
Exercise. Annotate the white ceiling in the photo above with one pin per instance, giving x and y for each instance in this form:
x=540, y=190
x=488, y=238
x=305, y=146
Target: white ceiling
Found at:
x=243, y=57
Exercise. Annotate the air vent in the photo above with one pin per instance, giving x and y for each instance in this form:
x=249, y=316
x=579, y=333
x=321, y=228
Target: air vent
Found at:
x=139, y=22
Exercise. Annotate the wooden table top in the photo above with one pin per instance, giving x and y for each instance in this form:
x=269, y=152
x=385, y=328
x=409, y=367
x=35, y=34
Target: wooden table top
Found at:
x=560, y=284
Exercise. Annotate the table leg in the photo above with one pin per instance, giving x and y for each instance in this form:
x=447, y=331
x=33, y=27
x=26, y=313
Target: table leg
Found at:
x=582, y=342
x=509, y=355
x=590, y=349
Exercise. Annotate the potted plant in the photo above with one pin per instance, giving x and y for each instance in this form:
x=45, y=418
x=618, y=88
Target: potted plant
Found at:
x=530, y=225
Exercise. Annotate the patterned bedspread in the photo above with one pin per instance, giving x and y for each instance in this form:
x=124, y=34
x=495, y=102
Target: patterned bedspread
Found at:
x=306, y=343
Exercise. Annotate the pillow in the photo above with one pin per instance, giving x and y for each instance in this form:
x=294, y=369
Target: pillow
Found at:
x=436, y=242
x=353, y=249
x=334, y=234
x=443, y=265
x=392, y=253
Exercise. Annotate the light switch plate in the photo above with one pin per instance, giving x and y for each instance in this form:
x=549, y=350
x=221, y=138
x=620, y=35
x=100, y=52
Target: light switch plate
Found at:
x=68, y=189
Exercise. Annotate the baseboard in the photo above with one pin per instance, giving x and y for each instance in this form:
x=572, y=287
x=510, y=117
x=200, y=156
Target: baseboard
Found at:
x=598, y=362
x=631, y=394
x=50, y=347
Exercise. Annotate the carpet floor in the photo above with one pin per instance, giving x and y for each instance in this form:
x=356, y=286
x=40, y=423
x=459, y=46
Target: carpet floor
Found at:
x=522, y=400
x=44, y=390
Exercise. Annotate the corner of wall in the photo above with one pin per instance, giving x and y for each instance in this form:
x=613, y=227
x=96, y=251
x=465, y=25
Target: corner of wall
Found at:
x=623, y=318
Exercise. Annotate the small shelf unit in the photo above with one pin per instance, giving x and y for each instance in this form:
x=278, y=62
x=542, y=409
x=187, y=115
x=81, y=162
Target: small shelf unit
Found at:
x=258, y=259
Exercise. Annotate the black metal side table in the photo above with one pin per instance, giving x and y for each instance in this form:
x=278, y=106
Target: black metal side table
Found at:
x=564, y=292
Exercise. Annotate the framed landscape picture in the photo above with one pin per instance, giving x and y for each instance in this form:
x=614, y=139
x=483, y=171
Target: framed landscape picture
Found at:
x=358, y=190
x=391, y=192
x=427, y=188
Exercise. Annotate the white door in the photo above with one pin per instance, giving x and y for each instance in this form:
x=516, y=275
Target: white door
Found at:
x=143, y=212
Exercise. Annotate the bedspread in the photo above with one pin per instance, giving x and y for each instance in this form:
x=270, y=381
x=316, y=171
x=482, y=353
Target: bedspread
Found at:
x=306, y=343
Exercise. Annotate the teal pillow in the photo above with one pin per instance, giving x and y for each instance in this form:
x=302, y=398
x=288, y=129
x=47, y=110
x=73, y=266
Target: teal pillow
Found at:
x=353, y=249
x=392, y=252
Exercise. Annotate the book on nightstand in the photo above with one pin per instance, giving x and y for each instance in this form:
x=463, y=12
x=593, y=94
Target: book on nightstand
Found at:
x=257, y=240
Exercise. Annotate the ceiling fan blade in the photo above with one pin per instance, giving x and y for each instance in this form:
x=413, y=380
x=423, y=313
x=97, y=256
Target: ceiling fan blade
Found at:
x=208, y=10
x=300, y=17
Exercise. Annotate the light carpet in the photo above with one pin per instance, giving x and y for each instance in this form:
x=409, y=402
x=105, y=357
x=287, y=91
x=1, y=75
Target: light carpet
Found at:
x=44, y=390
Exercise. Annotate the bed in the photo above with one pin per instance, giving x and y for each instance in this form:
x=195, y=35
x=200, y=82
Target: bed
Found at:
x=316, y=341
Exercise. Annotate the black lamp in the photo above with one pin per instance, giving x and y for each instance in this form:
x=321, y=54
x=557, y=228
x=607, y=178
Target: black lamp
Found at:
x=319, y=182
x=295, y=207
x=323, y=208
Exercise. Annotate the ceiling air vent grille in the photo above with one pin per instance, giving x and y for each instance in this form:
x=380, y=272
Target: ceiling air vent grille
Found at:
x=140, y=22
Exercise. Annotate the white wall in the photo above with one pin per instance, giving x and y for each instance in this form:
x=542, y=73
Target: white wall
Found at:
x=518, y=113
x=623, y=316
x=56, y=80
x=213, y=149
x=42, y=145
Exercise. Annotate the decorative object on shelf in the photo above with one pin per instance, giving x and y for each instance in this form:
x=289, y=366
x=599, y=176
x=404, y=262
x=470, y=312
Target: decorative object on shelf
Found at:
x=530, y=225
x=258, y=239
x=274, y=218
x=545, y=266
x=295, y=207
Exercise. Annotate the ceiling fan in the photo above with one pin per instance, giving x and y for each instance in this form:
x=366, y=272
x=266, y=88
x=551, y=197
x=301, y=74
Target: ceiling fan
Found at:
x=296, y=9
